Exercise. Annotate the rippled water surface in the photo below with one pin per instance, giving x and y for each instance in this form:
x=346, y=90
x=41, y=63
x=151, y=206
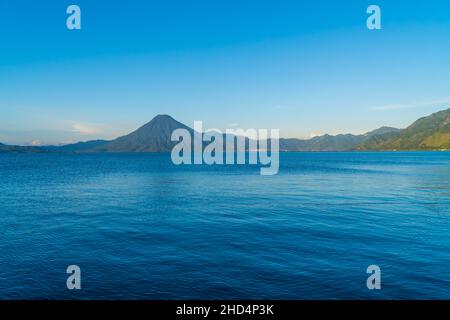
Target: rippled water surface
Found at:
x=142, y=228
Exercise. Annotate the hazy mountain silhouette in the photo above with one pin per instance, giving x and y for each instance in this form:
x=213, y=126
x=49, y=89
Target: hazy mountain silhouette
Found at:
x=341, y=142
x=77, y=147
x=427, y=133
x=18, y=149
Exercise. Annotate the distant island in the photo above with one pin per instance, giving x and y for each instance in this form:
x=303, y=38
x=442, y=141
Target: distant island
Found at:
x=428, y=133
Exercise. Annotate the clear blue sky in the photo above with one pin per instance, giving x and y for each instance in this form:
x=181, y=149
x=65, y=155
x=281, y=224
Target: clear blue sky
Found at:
x=306, y=67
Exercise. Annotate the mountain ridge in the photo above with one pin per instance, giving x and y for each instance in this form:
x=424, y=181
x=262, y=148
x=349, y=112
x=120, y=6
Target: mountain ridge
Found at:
x=427, y=133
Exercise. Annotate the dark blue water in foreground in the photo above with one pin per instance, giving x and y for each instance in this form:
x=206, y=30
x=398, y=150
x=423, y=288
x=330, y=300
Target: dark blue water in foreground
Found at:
x=142, y=228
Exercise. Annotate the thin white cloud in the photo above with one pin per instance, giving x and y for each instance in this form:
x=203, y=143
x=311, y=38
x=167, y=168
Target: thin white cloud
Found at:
x=36, y=143
x=84, y=128
x=315, y=134
x=421, y=104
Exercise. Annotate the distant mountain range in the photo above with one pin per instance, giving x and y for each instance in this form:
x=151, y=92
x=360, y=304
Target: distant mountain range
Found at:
x=427, y=133
x=341, y=142
x=19, y=149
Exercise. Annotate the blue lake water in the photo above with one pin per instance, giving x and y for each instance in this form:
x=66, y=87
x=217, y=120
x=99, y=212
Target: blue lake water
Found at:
x=142, y=228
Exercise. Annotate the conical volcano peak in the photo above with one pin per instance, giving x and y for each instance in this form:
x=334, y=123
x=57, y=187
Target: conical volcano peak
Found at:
x=162, y=123
x=163, y=117
x=152, y=137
